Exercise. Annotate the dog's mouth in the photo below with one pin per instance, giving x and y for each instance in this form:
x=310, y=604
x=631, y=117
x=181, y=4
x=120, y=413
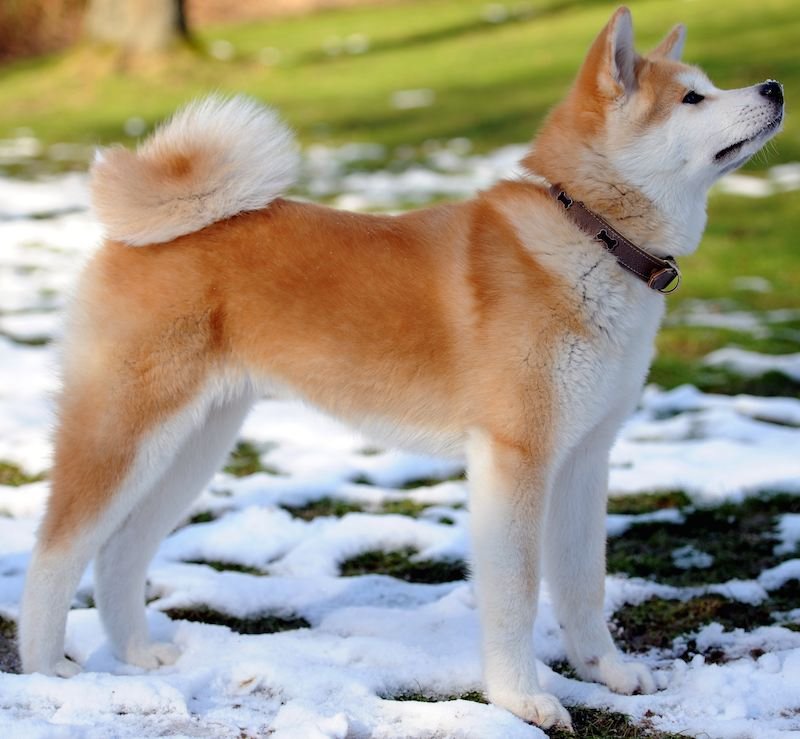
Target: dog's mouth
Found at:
x=723, y=155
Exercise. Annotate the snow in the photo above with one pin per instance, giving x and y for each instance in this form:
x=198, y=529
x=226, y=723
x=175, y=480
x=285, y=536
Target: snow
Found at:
x=371, y=638
x=753, y=364
x=788, y=533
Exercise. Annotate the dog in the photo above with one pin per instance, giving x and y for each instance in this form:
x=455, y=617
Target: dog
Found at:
x=517, y=326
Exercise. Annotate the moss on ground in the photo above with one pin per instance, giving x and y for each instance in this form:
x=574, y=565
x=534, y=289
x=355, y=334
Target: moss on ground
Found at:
x=399, y=564
x=740, y=539
x=267, y=623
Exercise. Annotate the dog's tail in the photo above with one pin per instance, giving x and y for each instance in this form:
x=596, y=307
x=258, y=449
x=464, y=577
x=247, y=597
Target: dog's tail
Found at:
x=214, y=158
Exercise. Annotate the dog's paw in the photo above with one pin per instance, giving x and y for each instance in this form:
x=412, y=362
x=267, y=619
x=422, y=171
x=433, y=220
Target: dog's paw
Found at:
x=542, y=709
x=65, y=668
x=153, y=655
x=621, y=677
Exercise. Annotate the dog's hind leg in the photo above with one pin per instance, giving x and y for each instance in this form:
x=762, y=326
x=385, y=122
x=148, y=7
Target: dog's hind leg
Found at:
x=121, y=564
x=575, y=566
x=125, y=412
x=104, y=466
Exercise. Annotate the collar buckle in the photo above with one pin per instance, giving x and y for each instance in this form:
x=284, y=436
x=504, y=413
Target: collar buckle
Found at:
x=667, y=279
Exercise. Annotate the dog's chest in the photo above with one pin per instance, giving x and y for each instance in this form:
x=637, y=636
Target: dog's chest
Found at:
x=601, y=370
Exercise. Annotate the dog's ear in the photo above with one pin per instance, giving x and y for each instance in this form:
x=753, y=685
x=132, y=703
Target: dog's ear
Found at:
x=672, y=45
x=610, y=64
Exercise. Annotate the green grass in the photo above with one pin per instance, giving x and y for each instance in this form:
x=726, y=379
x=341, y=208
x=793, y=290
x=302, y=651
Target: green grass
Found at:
x=422, y=697
x=220, y=566
x=493, y=82
x=245, y=459
x=657, y=622
x=596, y=723
x=588, y=723
x=267, y=623
x=323, y=507
x=13, y=475
x=9, y=658
x=744, y=237
x=399, y=564
x=647, y=502
x=739, y=537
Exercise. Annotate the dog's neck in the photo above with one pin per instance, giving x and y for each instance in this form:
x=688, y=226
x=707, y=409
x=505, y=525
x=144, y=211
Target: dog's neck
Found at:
x=665, y=222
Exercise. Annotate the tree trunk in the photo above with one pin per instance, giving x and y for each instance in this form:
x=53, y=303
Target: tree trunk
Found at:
x=137, y=25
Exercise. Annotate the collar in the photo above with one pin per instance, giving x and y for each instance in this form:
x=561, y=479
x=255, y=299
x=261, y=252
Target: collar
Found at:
x=658, y=273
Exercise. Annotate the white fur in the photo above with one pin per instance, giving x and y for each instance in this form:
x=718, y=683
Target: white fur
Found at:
x=241, y=155
x=170, y=467
x=674, y=164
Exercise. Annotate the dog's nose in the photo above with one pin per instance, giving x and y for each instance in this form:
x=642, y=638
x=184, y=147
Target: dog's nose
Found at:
x=772, y=90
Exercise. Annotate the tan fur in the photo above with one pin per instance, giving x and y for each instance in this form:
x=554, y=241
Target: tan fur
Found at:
x=398, y=319
x=439, y=321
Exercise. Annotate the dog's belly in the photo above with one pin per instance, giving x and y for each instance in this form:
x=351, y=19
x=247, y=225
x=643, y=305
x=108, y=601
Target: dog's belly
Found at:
x=383, y=430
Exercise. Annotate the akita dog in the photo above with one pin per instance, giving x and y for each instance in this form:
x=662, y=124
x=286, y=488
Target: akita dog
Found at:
x=518, y=325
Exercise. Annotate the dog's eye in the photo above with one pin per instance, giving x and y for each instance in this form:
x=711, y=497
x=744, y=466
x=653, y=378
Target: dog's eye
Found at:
x=692, y=98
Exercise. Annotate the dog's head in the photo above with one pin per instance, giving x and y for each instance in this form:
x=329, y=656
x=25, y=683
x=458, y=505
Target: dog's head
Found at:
x=653, y=124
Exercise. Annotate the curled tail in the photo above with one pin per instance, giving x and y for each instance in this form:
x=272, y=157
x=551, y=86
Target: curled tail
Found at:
x=214, y=158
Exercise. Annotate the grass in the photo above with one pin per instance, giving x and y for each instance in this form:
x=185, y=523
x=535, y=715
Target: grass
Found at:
x=740, y=538
x=596, y=723
x=323, y=507
x=422, y=697
x=647, y=502
x=245, y=459
x=588, y=723
x=226, y=566
x=267, y=623
x=13, y=475
x=399, y=564
x=9, y=658
x=517, y=69
x=657, y=622
x=744, y=237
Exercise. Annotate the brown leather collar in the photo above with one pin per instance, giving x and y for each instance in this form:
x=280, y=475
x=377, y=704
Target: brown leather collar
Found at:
x=658, y=273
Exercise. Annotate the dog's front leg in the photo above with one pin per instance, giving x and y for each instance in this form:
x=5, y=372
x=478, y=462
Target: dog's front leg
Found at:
x=575, y=566
x=507, y=502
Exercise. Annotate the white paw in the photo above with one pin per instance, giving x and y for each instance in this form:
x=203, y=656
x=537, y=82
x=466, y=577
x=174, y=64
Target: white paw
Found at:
x=153, y=655
x=621, y=677
x=542, y=709
x=66, y=668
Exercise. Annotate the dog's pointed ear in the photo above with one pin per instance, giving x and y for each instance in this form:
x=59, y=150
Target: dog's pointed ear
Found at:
x=610, y=64
x=672, y=45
